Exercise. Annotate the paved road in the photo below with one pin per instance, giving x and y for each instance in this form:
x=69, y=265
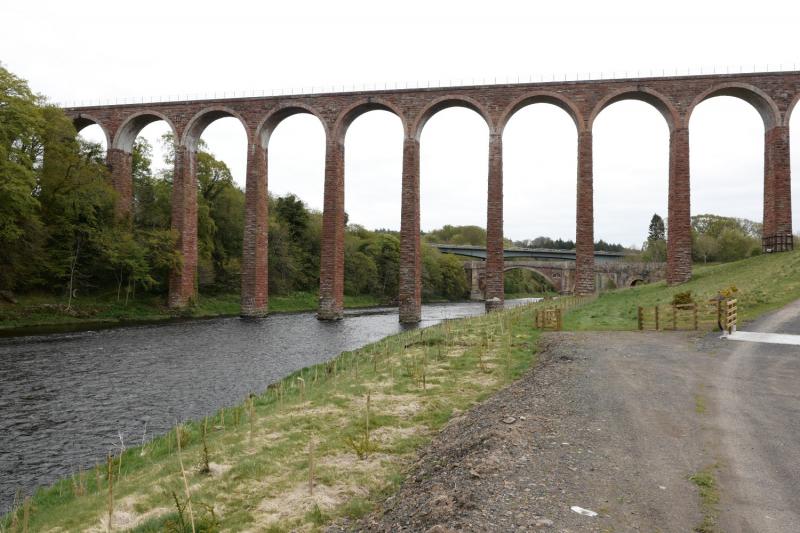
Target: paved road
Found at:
x=758, y=406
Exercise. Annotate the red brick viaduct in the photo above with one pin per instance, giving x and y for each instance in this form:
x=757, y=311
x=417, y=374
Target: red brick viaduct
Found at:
x=773, y=95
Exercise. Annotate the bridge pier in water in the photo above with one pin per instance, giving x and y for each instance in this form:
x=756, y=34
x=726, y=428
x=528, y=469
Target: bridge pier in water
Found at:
x=495, y=289
x=331, y=265
x=183, y=279
x=255, y=269
x=410, y=248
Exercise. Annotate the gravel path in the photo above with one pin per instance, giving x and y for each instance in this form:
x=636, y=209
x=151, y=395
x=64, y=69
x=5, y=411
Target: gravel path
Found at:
x=616, y=423
x=606, y=421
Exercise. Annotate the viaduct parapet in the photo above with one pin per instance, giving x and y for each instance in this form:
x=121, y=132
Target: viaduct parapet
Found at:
x=773, y=95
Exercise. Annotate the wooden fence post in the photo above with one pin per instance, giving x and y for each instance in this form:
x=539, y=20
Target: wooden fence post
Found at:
x=694, y=312
x=674, y=318
x=656, y=308
x=640, y=318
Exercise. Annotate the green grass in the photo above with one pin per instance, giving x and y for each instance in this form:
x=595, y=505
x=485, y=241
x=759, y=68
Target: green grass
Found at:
x=765, y=283
x=517, y=295
x=43, y=310
x=709, y=498
x=259, y=450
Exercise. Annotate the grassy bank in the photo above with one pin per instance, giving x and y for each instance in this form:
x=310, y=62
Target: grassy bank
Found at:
x=518, y=295
x=326, y=442
x=46, y=310
x=764, y=283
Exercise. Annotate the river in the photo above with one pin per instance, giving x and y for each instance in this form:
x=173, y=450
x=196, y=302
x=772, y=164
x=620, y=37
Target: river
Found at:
x=68, y=399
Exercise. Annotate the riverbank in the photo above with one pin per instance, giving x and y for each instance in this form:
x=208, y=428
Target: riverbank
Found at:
x=358, y=420
x=763, y=283
x=42, y=313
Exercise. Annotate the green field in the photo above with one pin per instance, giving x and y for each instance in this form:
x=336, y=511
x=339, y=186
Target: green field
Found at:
x=764, y=283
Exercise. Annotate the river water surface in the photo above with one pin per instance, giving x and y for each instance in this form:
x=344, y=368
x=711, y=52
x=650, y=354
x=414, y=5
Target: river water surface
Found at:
x=65, y=399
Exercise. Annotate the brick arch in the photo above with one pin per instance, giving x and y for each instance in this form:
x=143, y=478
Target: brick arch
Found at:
x=83, y=120
x=349, y=115
x=445, y=102
x=278, y=114
x=130, y=128
x=751, y=94
x=202, y=119
x=541, y=97
x=642, y=94
x=790, y=109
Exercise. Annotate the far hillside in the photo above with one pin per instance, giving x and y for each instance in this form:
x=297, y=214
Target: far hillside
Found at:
x=763, y=283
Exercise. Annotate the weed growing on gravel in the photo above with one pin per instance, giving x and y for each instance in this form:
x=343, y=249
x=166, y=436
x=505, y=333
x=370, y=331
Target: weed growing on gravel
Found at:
x=709, y=498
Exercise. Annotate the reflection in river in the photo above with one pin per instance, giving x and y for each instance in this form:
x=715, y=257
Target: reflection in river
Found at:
x=66, y=400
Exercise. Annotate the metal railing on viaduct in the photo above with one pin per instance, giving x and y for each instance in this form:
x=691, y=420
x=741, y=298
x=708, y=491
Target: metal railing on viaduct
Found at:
x=773, y=95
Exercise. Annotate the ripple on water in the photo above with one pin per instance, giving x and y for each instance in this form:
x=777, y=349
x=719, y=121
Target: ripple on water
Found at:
x=65, y=399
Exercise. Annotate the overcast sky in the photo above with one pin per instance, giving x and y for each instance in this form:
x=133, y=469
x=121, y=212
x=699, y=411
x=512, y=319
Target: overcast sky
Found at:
x=91, y=49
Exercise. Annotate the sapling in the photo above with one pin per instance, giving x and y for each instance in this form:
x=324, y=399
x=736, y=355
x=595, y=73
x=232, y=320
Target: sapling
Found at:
x=252, y=414
x=110, y=492
x=121, y=451
x=205, y=467
x=26, y=514
x=311, y=467
x=185, y=483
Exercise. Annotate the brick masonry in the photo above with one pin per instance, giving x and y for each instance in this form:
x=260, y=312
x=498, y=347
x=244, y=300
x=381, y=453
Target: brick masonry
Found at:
x=773, y=95
x=254, y=245
x=120, y=166
x=679, y=239
x=410, y=257
x=182, y=280
x=494, y=225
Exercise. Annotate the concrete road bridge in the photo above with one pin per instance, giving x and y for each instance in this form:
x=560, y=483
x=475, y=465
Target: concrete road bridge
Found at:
x=773, y=94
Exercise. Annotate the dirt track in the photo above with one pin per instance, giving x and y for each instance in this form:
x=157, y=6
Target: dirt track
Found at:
x=611, y=422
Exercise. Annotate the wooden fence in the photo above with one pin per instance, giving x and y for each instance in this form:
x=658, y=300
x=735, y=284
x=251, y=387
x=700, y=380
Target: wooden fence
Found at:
x=731, y=315
x=548, y=319
x=550, y=312
x=688, y=316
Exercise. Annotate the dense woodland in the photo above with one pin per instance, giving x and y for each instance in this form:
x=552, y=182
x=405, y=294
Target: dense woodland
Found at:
x=58, y=231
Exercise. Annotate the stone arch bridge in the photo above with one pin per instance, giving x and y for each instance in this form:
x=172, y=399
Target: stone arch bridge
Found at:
x=774, y=95
x=562, y=274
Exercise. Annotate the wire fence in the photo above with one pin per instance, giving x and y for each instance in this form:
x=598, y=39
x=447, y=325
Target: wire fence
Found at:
x=551, y=77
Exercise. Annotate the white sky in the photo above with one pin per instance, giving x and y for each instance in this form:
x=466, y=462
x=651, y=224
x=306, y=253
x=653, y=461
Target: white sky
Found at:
x=91, y=49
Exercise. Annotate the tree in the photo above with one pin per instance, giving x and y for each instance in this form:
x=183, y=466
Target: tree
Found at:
x=454, y=279
x=705, y=246
x=656, y=230
x=717, y=238
x=21, y=124
x=655, y=251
